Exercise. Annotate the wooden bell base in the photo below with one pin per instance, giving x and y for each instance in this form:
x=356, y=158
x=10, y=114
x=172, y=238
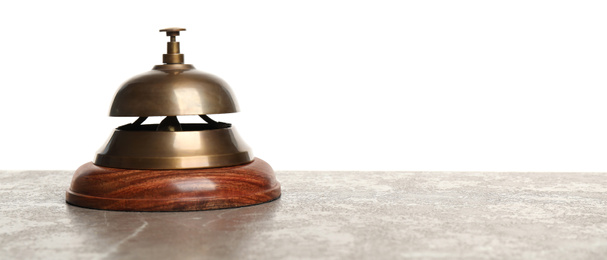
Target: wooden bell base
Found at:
x=173, y=190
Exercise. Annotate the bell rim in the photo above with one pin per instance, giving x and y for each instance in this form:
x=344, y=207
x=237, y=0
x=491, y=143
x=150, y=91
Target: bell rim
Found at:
x=164, y=150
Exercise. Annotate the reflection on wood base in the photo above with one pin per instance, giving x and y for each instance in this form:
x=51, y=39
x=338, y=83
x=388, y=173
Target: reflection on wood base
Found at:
x=173, y=190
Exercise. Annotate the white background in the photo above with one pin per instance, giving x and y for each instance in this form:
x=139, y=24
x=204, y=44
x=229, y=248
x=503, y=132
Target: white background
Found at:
x=324, y=85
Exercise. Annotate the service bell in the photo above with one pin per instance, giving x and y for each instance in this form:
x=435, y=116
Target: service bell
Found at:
x=172, y=166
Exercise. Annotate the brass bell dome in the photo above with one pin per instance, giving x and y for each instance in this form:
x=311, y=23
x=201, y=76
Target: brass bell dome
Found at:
x=171, y=90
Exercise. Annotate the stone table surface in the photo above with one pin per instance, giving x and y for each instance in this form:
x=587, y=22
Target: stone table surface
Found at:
x=325, y=215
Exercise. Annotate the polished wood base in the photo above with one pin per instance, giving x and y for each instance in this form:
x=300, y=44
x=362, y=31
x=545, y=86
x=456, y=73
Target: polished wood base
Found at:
x=173, y=190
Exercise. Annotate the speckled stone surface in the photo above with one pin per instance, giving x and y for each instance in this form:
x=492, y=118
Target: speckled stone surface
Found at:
x=326, y=215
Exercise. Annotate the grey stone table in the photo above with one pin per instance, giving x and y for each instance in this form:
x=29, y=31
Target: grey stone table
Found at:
x=326, y=215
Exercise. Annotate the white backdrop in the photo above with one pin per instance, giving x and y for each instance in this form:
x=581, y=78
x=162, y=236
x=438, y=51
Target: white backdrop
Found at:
x=324, y=85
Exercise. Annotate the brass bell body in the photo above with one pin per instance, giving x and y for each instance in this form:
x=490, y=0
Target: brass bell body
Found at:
x=172, y=90
x=172, y=166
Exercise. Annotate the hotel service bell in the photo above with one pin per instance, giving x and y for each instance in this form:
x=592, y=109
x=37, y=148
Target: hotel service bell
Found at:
x=172, y=166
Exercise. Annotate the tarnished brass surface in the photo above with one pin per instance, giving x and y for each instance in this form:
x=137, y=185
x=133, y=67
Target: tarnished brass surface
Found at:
x=173, y=89
x=172, y=30
x=143, y=149
x=173, y=56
